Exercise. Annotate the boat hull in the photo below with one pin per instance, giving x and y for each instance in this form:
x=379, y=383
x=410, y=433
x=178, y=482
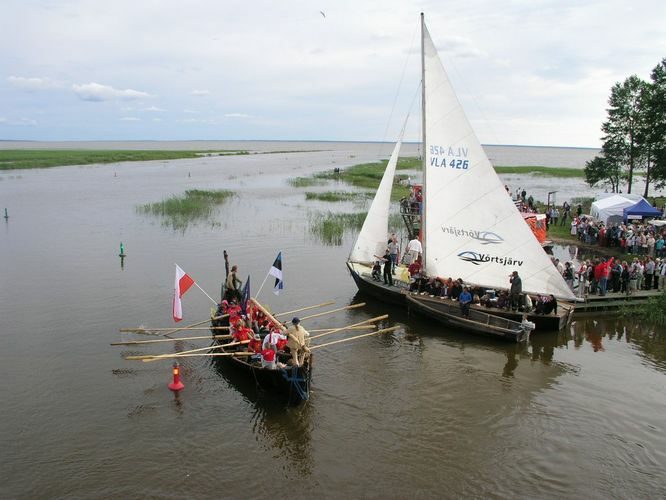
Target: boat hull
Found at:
x=290, y=385
x=449, y=313
x=377, y=289
x=552, y=322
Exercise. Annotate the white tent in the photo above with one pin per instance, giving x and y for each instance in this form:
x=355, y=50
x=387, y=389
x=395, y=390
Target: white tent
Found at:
x=612, y=206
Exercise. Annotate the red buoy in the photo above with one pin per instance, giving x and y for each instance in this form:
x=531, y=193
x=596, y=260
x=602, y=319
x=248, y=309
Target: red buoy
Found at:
x=176, y=385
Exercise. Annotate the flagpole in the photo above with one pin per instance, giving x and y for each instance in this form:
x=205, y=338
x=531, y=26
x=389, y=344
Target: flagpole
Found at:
x=204, y=291
x=264, y=282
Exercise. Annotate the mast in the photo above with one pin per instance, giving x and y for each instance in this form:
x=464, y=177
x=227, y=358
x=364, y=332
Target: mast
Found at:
x=424, y=153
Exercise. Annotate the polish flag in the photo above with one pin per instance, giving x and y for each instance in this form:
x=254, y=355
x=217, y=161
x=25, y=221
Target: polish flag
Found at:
x=183, y=284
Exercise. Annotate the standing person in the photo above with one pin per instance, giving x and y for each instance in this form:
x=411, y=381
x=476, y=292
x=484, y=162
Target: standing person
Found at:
x=569, y=275
x=465, y=299
x=393, y=249
x=516, y=290
x=582, y=280
x=233, y=284
x=649, y=273
x=662, y=276
x=414, y=248
x=299, y=339
x=388, y=275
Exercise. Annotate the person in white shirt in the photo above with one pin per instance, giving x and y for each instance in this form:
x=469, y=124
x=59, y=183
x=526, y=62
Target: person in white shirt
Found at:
x=414, y=248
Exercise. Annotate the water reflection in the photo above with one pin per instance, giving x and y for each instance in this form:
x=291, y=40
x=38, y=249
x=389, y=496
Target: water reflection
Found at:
x=285, y=431
x=599, y=333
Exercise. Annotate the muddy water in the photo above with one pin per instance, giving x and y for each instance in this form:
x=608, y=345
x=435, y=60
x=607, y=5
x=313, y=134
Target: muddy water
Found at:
x=423, y=412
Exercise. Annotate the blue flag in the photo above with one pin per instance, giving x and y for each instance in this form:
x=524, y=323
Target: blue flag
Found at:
x=246, y=296
x=276, y=271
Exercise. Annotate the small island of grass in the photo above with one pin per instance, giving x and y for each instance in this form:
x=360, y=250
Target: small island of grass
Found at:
x=179, y=211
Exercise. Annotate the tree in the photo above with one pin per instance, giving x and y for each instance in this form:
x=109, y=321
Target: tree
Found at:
x=656, y=124
x=622, y=129
x=601, y=171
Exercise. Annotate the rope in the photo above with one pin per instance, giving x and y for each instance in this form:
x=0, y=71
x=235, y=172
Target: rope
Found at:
x=295, y=382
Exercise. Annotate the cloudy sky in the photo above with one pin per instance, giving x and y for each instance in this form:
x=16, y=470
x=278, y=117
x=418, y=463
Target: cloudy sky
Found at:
x=532, y=72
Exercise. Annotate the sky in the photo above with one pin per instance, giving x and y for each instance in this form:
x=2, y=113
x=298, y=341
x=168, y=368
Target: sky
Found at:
x=527, y=72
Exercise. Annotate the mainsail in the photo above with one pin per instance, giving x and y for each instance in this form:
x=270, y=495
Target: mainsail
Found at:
x=372, y=239
x=473, y=230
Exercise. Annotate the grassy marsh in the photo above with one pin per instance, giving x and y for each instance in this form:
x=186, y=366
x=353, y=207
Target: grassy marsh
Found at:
x=330, y=228
x=542, y=171
x=335, y=196
x=47, y=158
x=179, y=211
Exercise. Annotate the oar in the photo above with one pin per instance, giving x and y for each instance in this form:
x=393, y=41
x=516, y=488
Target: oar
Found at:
x=153, y=357
x=184, y=353
x=194, y=324
x=335, y=330
x=323, y=304
x=208, y=354
x=385, y=330
x=326, y=330
x=353, y=306
x=133, y=342
x=142, y=330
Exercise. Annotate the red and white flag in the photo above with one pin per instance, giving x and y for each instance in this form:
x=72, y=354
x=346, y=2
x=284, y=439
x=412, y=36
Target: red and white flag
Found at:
x=183, y=284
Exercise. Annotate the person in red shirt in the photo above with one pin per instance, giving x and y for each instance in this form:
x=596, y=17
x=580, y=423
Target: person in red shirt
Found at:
x=268, y=359
x=255, y=344
x=414, y=268
x=242, y=333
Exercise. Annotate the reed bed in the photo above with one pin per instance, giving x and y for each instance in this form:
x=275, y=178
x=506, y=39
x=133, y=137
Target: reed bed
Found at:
x=338, y=196
x=542, y=171
x=195, y=205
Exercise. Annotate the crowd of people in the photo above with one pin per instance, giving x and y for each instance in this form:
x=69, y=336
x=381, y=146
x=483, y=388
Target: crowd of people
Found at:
x=267, y=342
x=598, y=276
x=512, y=299
x=645, y=239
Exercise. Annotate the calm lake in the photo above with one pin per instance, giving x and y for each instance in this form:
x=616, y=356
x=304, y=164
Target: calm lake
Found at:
x=423, y=412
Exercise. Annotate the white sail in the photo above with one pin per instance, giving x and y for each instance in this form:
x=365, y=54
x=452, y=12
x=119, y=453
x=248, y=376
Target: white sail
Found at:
x=473, y=230
x=372, y=239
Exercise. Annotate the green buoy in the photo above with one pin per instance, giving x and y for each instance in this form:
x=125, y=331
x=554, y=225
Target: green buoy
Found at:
x=122, y=250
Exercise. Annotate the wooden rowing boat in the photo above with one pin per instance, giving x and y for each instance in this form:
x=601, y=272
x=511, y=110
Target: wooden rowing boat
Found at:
x=290, y=384
x=449, y=313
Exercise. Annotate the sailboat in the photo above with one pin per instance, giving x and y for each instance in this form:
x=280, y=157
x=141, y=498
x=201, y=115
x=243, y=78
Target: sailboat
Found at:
x=372, y=239
x=470, y=227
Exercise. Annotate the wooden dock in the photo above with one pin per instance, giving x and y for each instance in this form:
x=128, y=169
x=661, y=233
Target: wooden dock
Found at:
x=614, y=301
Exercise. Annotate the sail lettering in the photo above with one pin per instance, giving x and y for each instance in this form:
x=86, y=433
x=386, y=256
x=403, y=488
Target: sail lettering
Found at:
x=477, y=258
x=449, y=151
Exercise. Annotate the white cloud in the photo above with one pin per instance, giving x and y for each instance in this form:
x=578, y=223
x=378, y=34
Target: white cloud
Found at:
x=200, y=93
x=34, y=83
x=130, y=119
x=237, y=115
x=30, y=122
x=97, y=92
x=154, y=109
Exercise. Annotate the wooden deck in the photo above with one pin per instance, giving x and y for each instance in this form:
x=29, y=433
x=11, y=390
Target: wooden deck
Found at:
x=614, y=301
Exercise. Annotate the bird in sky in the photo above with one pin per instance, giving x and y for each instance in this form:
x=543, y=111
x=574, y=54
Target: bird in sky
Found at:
x=322, y=13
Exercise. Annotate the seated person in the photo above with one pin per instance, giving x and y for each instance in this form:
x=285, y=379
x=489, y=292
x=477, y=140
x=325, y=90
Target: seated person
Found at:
x=414, y=268
x=551, y=305
x=268, y=359
x=377, y=271
x=503, y=300
x=456, y=289
x=242, y=333
x=255, y=344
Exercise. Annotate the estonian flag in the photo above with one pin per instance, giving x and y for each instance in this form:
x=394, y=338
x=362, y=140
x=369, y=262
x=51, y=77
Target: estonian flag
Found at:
x=246, y=296
x=276, y=271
